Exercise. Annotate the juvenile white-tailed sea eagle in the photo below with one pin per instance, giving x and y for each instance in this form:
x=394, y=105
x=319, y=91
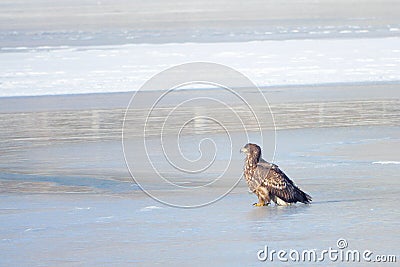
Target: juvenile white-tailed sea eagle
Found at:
x=268, y=182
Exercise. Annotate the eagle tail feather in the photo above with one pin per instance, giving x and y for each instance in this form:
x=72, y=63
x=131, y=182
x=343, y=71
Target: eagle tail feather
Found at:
x=303, y=197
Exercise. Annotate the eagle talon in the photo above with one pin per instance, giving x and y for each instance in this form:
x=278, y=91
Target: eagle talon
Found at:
x=260, y=204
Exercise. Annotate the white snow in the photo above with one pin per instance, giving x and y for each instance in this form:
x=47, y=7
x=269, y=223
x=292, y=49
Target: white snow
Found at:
x=386, y=162
x=69, y=70
x=149, y=208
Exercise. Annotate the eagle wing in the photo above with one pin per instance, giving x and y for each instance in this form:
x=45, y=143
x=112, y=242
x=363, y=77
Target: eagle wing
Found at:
x=277, y=183
x=256, y=180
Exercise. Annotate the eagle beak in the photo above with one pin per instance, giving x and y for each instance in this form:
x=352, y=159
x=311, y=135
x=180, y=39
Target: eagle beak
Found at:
x=243, y=150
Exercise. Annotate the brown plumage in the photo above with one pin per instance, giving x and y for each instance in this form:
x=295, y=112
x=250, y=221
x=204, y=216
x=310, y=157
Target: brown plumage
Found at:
x=268, y=182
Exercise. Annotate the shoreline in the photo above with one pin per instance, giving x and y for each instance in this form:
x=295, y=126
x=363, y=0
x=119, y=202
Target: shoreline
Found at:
x=113, y=39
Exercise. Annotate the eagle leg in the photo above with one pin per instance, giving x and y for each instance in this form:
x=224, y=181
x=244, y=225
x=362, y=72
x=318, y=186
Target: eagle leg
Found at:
x=261, y=202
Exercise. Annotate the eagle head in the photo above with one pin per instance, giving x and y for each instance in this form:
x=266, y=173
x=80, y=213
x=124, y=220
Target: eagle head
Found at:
x=252, y=150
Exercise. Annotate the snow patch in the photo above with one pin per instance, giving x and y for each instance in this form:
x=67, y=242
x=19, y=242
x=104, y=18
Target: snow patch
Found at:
x=386, y=162
x=149, y=208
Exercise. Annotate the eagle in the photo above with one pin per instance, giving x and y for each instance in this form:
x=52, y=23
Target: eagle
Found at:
x=269, y=182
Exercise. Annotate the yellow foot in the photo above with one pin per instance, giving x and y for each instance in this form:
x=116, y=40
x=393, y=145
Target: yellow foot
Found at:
x=260, y=204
